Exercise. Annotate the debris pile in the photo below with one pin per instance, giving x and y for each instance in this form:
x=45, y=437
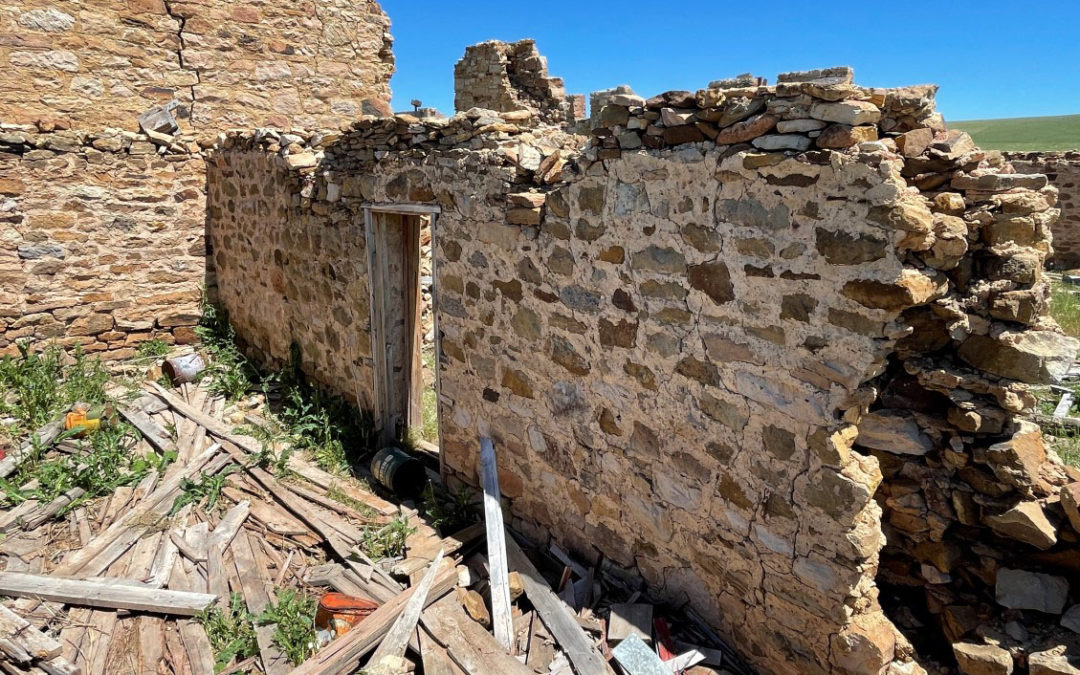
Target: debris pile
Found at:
x=145, y=578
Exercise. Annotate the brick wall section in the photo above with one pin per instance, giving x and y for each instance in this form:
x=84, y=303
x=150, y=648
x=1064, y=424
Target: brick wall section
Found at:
x=736, y=342
x=1063, y=169
x=102, y=241
x=101, y=63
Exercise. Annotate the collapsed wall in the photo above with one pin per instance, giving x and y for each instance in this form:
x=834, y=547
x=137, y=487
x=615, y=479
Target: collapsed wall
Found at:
x=742, y=341
x=1063, y=170
x=230, y=63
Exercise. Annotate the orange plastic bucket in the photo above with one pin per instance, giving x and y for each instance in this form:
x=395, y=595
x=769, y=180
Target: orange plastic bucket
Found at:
x=337, y=612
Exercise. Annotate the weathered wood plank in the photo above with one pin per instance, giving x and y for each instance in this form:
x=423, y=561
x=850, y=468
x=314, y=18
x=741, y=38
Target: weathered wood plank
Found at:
x=347, y=651
x=397, y=639
x=468, y=644
x=501, y=619
x=556, y=615
x=103, y=595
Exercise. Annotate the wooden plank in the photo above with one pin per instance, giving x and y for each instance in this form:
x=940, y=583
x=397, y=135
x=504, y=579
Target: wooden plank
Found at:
x=556, y=615
x=630, y=619
x=200, y=655
x=165, y=493
x=468, y=644
x=216, y=543
x=347, y=651
x=414, y=365
x=434, y=656
x=501, y=619
x=397, y=639
x=150, y=430
x=17, y=629
x=44, y=436
x=95, y=594
x=422, y=555
x=402, y=208
x=257, y=599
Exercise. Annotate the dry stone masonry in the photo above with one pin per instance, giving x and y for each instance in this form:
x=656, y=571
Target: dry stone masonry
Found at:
x=230, y=63
x=1063, y=170
x=769, y=347
x=762, y=350
x=103, y=239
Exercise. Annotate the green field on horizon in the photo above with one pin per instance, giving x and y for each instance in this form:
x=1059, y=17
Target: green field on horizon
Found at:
x=1024, y=133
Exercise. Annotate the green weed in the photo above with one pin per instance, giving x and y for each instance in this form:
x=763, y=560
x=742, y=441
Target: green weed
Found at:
x=230, y=630
x=35, y=387
x=153, y=348
x=229, y=372
x=104, y=461
x=389, y=540
x=206, y=491
x=446, y=512
x=339, y=496
x=294, y=634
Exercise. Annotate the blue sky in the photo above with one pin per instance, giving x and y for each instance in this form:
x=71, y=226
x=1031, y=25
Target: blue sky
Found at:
x=992, y=58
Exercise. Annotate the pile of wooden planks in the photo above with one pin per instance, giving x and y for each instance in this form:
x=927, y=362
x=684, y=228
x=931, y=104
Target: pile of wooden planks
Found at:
x=117, y=585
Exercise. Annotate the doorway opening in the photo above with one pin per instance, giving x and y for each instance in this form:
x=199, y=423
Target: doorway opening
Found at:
x=404, y=334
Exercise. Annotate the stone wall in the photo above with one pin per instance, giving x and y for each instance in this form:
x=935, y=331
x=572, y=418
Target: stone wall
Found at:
x=746, y=337
x=505, y=77
x=96, y=64
x=102, y=243
x=1063, y=169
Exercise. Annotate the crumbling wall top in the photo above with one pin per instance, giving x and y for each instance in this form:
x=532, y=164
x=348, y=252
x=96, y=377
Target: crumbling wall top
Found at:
x=506, y=77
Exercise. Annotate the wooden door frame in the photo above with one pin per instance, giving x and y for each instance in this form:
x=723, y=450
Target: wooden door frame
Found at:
x=378, y=285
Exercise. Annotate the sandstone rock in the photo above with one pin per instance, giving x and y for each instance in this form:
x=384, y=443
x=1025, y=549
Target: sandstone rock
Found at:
x=845, y=248
x=846, y=112
x=1019, y=589
x=844, y=136
x=49, y=20
x=747, y=130
x=47, y=60
x=893, y=431
x=866, y=645
x=911, y=289
x=975, y=659
x=799, y=126
x=782, y=142
x=301, y=160
x=476, y=608
x=999, y=182
x=1070, y=502
x=1028, y=356
x=1058, y=661
x=1016, y=461
x=915, y=142
x=1025, y=522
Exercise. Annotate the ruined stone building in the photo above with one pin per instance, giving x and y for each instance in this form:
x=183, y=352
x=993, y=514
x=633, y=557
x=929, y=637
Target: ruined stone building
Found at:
x=766, y=347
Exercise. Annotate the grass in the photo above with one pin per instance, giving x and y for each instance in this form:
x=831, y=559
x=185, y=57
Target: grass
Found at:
x=1024, y=133
x=387, y=541
x=294, y=634
x=231, y=632
x=430, y=403
x=229, y=373
x=1065, y=307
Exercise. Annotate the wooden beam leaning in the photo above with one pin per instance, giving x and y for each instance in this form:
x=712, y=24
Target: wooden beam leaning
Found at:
x=556, y=616
x=501, y=619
